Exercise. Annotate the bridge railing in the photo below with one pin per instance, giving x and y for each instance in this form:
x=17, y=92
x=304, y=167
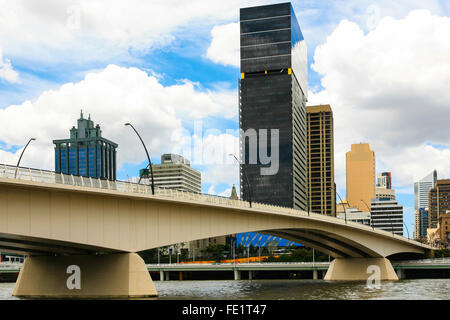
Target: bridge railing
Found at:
x=46, y=176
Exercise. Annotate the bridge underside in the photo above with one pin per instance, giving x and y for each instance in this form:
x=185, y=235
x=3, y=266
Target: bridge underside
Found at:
x=33, y=246
x=328, y=243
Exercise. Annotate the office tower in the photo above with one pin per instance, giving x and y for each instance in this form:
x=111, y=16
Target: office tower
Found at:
x=384, y=193
x=360, y=176
x=384, y=180
x=272, y=110
x=444, y=229
x=421, y=223
x=439, y=201
x=174, y=172
x=416, y=225
x=387, y=215
x=354, y=215
x=86, y=153
x=421, y=189
x=320, y=155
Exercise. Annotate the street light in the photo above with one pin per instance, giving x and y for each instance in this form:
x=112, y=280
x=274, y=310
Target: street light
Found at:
x=18, y=162
x=371, y=222
x=246, y=181
x=345, y=213
x=148, y=157
x=406, y=229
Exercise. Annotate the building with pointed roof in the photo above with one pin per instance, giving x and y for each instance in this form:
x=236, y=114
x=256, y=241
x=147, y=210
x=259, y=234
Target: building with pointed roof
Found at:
x=86, y=153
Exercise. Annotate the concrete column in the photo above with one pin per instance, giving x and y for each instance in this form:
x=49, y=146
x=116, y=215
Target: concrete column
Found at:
x=161, y=275
x=123, y=275
x=400, y=273
x=167, y=275
x=360, y=269
x=315, y=274
x=250, y=275
x=237, y=275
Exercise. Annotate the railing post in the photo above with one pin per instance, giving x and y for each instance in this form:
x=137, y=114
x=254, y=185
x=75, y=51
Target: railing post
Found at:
x=62, y=178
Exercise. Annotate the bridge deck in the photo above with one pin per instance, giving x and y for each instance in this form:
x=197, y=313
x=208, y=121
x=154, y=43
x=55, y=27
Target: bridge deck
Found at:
x=170, y=216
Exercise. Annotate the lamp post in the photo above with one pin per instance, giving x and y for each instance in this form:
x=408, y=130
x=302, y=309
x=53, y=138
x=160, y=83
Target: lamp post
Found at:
x=18, y=162
x=246, y=181
x=307, y=205
x=371, y=223
x=345, y=213
x=406, y=229
x=148, y=157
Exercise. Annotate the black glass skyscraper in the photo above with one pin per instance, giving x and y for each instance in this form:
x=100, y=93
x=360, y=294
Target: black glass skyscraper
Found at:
x=86, y=153
x=272, y=95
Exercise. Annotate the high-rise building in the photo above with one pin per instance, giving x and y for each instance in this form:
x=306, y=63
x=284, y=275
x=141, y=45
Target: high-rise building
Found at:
x=444, y=230
x=320, y=152
x=387, y=215
x=439, y=201
x=384, y=193
x=360, y=176
x=421, y=189
x=272, y=106
x=421, y=223
x=354, y=215
x=175, y=172
x=384, y=180
x=86, y=153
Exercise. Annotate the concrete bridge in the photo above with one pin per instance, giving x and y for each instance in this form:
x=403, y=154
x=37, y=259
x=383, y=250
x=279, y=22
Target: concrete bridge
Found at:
x=87, y=231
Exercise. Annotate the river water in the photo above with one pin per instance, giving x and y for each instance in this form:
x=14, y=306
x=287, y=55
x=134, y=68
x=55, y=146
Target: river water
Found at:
x=428, y=289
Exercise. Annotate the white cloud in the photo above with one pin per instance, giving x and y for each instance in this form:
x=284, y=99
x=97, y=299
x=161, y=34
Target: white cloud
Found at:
x=389, y=87
x=95, y=30
x=224, y=47
x=113, y=97
x=6, y=70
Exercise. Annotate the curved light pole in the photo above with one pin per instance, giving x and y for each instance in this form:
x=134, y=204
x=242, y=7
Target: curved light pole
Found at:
x=406, y=229
x=345, y=213
x=18, y=162
x=246, y=180
x=148, y=157
x=371, y=222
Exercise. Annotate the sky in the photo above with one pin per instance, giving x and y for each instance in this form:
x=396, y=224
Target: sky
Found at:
x=172, y=67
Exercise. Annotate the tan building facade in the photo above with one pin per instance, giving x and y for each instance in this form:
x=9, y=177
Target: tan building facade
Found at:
x=439, y=201
x=384, y=193
x=360, y=176
x=444, y=229
x=320, y=151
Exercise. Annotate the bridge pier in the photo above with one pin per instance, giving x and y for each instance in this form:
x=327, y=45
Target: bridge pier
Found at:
x=161, y=275
x=315, y=274
x=237, y=274
x=85, y=276
x=361, y=269
x=400, y=273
